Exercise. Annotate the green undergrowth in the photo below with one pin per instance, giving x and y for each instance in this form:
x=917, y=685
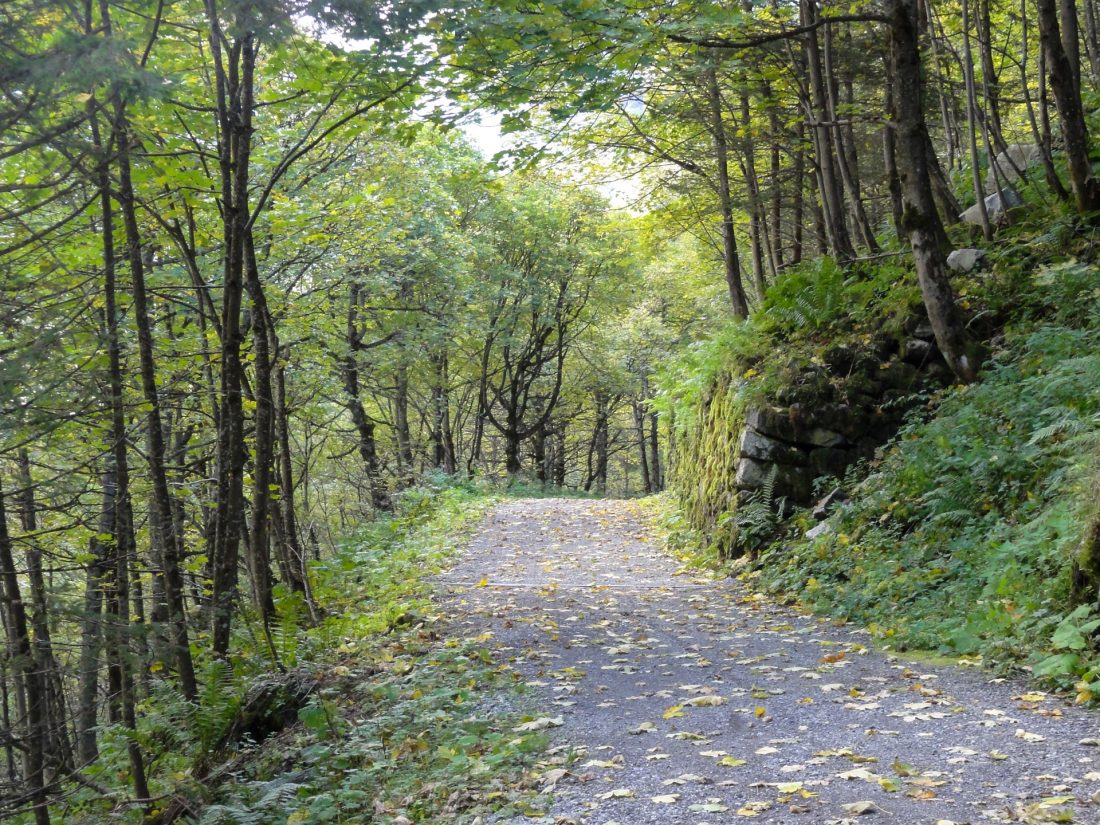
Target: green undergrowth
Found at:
x=407, y=725
x=415, y=736
x=401, y=723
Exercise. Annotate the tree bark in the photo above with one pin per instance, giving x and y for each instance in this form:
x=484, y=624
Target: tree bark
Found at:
x=972, y=125
x=58, y=745
x=1083, y=184
x=28, y=680
x=725, y=202
x=828, y=176
x=263, y=439
x=921, y=222
x=643, y=455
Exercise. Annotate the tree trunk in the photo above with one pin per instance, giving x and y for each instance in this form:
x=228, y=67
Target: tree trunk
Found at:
x=162, y=496
x=921, y=222
x=259, y=560
x=890, y=163
x=972, y=125
x=797, y=217
x=401, y=423
x=1085, y=188
x=1040, y=136
x=847, y=162
x=729, y=239
x=832, y=199
x=443, y=446
x=28, y=680
x=58, y=744
x=643, y=456
x=600, y=443
x=297, y=574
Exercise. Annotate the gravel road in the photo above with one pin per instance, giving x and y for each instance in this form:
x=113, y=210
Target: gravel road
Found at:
x=693, y=701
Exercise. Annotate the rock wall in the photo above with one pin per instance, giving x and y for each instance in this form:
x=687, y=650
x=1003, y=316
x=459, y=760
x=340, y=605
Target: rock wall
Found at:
x=824, y=417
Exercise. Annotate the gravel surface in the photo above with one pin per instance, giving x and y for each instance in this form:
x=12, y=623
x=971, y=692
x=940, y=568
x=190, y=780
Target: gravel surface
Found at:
x=693, y=701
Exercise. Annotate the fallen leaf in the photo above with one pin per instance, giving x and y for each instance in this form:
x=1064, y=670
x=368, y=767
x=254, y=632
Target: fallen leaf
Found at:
x=1029, y=737
x=618, y=793
x=860, y=808
x=542, y=723
x=708, y=808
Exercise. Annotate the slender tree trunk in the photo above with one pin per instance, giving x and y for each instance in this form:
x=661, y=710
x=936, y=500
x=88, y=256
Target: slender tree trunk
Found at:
x=775, y=193
x=1092, y=43
x=91, y=628
x=972, y=125
x=847, y=162
x=162, y=496
x=259, y=561
x=443, y=447
x=990, y=81
x=729, y=239
x=655, y=471
x=297, y=574
x=1071, y=40
x=752, y=185
x=59, y=746
x=829, y=185
x=890, y=163
x=600, y=443
x=559, y=454
x=1084, y=185
x=797, y=218
x=233, y=65
x=401, y=423
x=643, y=455
x=28, y=679
x=919, y=212
x=1041, y=137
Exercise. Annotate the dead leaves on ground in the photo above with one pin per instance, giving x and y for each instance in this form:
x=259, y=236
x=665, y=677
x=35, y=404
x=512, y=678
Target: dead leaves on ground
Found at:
x=694, y=680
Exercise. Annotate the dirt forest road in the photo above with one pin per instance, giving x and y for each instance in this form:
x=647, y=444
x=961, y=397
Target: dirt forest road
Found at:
x=695, y=702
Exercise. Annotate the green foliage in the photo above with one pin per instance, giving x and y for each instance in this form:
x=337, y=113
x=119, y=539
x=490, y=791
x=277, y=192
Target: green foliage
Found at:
x=821, y=297
x=402, y=722
x=417, y=740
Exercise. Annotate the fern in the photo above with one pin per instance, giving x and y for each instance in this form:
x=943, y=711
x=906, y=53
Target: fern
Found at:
x=217, y=705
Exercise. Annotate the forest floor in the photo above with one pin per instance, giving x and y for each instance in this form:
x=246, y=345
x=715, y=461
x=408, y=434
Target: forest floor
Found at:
x=688, y=699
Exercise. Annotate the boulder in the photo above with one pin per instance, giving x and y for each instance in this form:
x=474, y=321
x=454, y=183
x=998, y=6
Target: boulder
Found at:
x=884, y=345
x=772, y=422
x=1019, y=156
x=996, y=206
x=764, y=448
x=918, y=352
x=822, y=437
x=839, y=359
x=794, y=483
x=898, y=375
x=965, y=260
x=829, y=461
x=822, y=529
x=827, y=504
